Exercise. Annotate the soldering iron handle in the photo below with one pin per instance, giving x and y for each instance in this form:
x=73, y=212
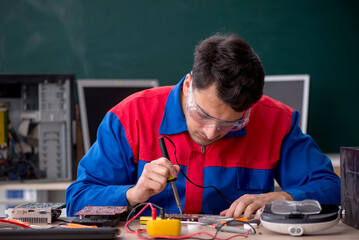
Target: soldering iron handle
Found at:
x=170, y=178
x=164, y=151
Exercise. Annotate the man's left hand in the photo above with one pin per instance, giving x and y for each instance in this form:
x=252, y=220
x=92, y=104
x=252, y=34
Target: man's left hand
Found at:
x=249, y=204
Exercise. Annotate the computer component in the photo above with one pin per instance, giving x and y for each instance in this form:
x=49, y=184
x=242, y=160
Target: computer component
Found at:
x=36, y=120
x=4, y=130
x=101, y=216
x=101, y=210
x=36, y=213
x=183, y=217
x=349, y=174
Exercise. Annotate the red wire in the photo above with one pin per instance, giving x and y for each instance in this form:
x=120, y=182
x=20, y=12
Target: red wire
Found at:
x=15, y=223
x=139, y=231
x=191, y=235
x=143, y=209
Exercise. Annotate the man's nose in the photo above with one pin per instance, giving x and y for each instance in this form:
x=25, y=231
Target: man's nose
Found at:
x=211, y=132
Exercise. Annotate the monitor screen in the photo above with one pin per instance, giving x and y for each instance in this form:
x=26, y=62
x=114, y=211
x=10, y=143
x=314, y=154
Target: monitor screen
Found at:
x=97, y=97
x=292, y=90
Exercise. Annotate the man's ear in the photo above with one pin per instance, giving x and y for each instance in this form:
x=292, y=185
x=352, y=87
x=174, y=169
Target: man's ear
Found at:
x=186, y=84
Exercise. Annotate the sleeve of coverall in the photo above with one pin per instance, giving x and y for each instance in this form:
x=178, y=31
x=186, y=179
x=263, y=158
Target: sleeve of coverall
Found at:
x=106, y=172
x=304, y=171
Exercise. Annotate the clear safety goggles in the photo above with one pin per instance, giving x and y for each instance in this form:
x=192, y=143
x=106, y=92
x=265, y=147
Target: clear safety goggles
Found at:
x=206, y=120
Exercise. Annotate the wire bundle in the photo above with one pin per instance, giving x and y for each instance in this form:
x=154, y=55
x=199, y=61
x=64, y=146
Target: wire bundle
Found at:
x=140, y=232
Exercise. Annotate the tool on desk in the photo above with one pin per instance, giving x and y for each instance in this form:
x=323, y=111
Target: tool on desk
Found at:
x=76, y=225
x=299, y=217
x=239, y=220
x=214, y=219
x=234, y=229
x=164, y=227
x=238, y=225
x=184, y=218
x=145, y=219
x=242, y=222
x=170, y=178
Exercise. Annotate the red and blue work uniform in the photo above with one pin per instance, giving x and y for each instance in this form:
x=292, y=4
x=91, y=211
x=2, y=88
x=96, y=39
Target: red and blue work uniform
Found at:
x=271, y=146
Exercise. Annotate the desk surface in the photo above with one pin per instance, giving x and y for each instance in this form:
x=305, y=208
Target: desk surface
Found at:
x=339, y=231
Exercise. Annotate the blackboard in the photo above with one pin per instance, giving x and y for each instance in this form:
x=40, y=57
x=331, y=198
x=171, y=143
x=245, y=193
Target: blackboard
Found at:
x=133, y=39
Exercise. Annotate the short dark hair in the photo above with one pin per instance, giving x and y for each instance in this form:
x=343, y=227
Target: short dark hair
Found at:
x=230, y=63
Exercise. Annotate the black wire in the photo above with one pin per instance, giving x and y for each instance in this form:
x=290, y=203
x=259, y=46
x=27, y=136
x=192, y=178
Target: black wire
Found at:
x=135, y=208
x=144, y=236
x=219, y=192
x=17, y=161
x=129, y=215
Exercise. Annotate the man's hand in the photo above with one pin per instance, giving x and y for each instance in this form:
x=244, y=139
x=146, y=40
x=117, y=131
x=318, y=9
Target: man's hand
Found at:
x=248, y=204
x=152, y=181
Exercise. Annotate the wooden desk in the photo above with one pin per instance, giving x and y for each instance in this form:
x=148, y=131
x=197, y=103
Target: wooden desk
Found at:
x=338, y=232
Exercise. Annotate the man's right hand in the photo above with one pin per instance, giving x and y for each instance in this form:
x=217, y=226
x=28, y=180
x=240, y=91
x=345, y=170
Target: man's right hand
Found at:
x=152, y=181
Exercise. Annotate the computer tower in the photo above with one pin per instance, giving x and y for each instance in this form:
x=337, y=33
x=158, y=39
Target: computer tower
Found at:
x=36, y=127
x=349, y=174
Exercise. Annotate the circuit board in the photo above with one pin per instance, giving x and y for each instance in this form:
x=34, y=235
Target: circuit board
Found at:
x=102, y=216
x=205, y=219
x=38, y=205
x=36, y=212
x=101, y=210
x=183, y=217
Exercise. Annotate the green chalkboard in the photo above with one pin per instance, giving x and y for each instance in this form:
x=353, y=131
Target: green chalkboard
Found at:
x=132, y=39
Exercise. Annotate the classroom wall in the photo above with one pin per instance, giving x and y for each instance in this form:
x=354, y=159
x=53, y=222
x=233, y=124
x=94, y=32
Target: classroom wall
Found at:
x=132, y=39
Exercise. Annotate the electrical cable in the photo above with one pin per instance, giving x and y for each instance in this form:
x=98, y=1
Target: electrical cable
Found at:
x=139, y=232
x=219, y=192
x=235, y=220
x=20, y=165
x=193, y=234
x=14, y=223
x=162, y=213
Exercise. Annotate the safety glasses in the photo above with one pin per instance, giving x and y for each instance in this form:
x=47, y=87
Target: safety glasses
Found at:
x=206, y=120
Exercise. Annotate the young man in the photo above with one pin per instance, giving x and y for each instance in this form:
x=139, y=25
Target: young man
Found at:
x=224, y=133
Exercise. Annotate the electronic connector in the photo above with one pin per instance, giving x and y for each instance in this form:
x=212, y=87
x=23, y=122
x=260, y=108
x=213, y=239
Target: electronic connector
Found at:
x=36, y=213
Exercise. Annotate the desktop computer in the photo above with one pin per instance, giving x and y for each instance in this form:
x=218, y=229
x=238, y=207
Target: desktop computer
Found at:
x=349, y=174
x=36, y=119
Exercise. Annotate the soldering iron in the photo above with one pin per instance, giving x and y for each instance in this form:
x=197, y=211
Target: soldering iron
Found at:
x=171, y=180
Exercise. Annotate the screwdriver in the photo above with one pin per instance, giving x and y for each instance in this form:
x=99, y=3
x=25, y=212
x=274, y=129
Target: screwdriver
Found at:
x=171, y=180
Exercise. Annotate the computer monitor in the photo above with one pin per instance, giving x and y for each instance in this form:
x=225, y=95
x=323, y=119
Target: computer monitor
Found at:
x=292, y=90
x=98, y=96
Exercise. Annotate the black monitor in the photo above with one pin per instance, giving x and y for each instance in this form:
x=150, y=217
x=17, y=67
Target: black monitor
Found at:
x=97, y=97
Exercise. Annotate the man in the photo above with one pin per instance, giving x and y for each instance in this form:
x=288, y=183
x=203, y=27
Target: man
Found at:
x=224, y=133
